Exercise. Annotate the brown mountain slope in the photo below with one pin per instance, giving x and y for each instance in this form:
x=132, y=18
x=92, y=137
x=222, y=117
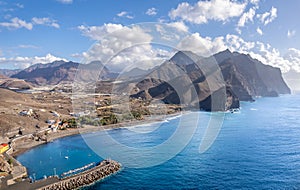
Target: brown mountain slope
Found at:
x=186, y=80
x=13, y=103
x=220, y=81
x=15, y=84
x=60, y=71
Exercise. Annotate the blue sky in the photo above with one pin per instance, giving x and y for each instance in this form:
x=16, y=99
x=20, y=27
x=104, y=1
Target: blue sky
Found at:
x=36, y=31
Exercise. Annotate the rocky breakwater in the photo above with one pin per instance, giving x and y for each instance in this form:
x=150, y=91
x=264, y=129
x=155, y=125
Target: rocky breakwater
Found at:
x=99, y=172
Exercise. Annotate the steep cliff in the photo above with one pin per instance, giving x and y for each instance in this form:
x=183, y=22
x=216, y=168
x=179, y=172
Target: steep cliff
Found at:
x=188, y=80
x=215, y=83
x=250, y=78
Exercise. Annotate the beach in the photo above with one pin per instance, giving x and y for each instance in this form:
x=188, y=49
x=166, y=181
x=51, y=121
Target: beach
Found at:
x=25, y=145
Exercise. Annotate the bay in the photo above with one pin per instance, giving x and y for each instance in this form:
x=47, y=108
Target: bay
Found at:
x=257, y=148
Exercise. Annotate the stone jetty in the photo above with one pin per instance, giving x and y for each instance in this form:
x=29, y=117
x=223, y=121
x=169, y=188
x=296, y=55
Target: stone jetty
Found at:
x=88, y=177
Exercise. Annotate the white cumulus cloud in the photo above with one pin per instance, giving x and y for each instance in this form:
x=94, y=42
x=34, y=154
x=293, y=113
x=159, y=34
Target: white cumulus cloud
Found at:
x=171, y=31
x=135, y=34
x=125, y=14
x=259, y=31
x=45, y=21
x=152, y=11
x=246, y=17
x=180, y=26
x=254, y=2
x=204, y=46
x=202, y=11
x=262, y=52
x=24, y=62
x=293, y=56
x=16, y=23
x=122, y=46
x=268, y=17
x=236, y=43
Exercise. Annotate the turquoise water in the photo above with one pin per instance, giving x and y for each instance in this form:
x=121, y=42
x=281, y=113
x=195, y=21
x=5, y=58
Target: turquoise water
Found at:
x=257, y=148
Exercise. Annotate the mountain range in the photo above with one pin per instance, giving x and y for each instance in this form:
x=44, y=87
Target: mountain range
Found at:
x=220, y=81
x=214, y=83
x=61, y=71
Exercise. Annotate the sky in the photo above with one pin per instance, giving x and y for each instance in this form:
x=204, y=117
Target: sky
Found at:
x=36, y=31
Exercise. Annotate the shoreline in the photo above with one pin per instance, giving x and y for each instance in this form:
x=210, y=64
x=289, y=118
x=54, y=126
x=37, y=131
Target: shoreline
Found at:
x=21, y=149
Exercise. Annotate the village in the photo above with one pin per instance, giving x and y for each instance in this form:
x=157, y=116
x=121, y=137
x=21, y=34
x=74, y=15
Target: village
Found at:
x=41, y=116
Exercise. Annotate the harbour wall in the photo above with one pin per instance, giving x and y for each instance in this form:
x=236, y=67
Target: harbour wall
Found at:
x=88, y=177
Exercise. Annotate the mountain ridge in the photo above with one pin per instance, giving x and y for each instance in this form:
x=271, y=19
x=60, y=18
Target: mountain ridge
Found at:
x=61, y=71
x=225, y=77
x=244, y=78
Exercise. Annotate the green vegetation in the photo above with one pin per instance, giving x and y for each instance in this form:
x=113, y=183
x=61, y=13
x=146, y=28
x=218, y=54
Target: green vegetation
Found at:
x=88, y=120
x=72, y=123
x=137, y=115
x=111, y=119
x=106, y=118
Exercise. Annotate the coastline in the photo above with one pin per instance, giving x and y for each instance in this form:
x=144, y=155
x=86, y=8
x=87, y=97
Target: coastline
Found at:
x=20, y=149
x=25, y=142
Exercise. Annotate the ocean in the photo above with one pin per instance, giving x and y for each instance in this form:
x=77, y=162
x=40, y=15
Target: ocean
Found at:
x=257, y=147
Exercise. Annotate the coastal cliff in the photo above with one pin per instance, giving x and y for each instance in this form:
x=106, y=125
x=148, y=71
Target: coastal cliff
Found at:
x=221, y=81
x=249, y=77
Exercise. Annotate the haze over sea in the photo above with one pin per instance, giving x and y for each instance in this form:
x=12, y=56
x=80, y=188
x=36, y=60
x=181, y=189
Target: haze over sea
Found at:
x=257, y=147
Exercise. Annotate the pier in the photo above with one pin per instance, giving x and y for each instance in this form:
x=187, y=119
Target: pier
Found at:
x=99, y=172
x=88, y=177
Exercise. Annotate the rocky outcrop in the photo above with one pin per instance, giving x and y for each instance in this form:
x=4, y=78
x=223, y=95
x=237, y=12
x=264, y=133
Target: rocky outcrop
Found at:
x=216, y=101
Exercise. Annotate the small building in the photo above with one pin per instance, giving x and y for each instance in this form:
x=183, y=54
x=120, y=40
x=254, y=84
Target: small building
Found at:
x=50, y=121
x=4, y=147
x=26, y=112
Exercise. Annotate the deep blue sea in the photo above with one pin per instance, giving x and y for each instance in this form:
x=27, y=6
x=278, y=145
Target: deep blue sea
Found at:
x=256, y=148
